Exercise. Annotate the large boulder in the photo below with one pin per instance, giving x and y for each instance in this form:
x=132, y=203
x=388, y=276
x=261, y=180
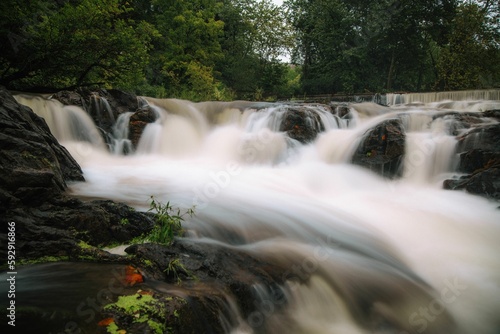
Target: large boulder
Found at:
x=479, y=160
x=34, y=173
x=301, y=123
x=382, y=149
x=34, y=166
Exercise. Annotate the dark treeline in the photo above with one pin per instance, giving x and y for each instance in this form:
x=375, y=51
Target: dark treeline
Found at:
x=232, y=49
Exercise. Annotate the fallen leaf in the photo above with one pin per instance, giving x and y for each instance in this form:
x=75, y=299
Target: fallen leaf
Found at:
x=105, y=322
x=132, y=276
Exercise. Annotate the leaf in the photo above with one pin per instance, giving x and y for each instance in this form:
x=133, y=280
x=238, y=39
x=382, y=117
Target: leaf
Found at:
x=132, y=276
x=105, y=322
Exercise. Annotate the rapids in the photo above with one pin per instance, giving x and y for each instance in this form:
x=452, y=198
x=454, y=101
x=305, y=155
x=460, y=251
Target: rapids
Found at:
x=382, y=256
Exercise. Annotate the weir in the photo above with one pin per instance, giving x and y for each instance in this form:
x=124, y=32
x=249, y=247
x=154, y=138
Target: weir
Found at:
x=471, y=95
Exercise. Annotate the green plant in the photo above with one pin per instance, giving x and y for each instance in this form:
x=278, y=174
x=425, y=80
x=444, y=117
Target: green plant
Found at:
x=124, y=221
x=175, y=268
x=168, y=222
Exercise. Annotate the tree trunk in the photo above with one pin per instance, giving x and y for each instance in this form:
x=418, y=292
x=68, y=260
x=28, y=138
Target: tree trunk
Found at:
x=391, y=70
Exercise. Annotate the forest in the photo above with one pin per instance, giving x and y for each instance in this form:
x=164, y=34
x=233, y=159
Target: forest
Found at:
x=249, y=49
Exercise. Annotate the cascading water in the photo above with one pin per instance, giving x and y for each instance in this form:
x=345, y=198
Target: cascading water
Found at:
x=366, y=254
x=121, y=142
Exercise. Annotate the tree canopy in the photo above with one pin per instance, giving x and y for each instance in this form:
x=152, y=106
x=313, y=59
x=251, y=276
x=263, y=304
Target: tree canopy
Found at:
x=228, y=49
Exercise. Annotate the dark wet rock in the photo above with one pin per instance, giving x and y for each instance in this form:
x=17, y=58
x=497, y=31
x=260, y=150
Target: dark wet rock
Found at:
x=34, y=165
x=341, y=110
x=56, y=226
x=224, y=272
x=301, y=123
x=34, y=173
x=485, y=182
x=494, y=113
x=382, y=149
x=138, y=122
x=479, y=158
x=486, y=138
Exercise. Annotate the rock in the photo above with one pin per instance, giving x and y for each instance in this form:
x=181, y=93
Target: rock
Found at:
x=138, y=121
x=34, y=165
x=57, y=226
x=209, y=274
x=382, y=149
x=494, y=113
x=301, y=123
x=484, y=137
x=485, y=182
x=34, y=173
x=479, y=158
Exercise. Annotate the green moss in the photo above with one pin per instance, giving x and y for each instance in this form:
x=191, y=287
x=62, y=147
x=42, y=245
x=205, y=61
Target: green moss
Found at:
x=112, y=328
x=84, y=245
x=43, y=259
x=147, y=263
x=142, y=308
x=86, y=258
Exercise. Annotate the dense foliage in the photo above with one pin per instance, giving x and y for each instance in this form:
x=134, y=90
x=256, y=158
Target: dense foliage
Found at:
x=228, y=49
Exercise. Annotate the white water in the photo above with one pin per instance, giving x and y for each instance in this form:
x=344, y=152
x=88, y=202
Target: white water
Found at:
x=376, y=256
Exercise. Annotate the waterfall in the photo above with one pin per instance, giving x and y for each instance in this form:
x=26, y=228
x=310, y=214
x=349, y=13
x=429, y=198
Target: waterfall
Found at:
x=121, y=142
x=365, y=254
x=67, y=123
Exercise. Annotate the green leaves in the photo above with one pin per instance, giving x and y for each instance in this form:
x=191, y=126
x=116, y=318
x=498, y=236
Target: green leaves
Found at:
x=79, y=43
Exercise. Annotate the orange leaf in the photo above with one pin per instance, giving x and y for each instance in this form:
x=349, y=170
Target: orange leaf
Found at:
x=105, y=322
x=132, y=276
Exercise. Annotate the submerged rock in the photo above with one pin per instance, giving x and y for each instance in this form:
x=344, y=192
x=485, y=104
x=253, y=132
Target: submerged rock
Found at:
x=382, y=149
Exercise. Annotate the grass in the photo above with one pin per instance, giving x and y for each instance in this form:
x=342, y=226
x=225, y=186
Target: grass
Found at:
x=168, y=222
x=175, y=268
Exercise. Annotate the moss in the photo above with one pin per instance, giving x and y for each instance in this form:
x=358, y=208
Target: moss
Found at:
x=84, y=245
x=112, y=328
x=142, y=309
x=147, y=263
x=43, y=259
x=86, y=258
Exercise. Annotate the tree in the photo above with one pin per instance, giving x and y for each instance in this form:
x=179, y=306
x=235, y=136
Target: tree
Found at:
x=471, y=58
x=53, y=45
x=355, y=46
x=255, y=36
x=184, y=57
